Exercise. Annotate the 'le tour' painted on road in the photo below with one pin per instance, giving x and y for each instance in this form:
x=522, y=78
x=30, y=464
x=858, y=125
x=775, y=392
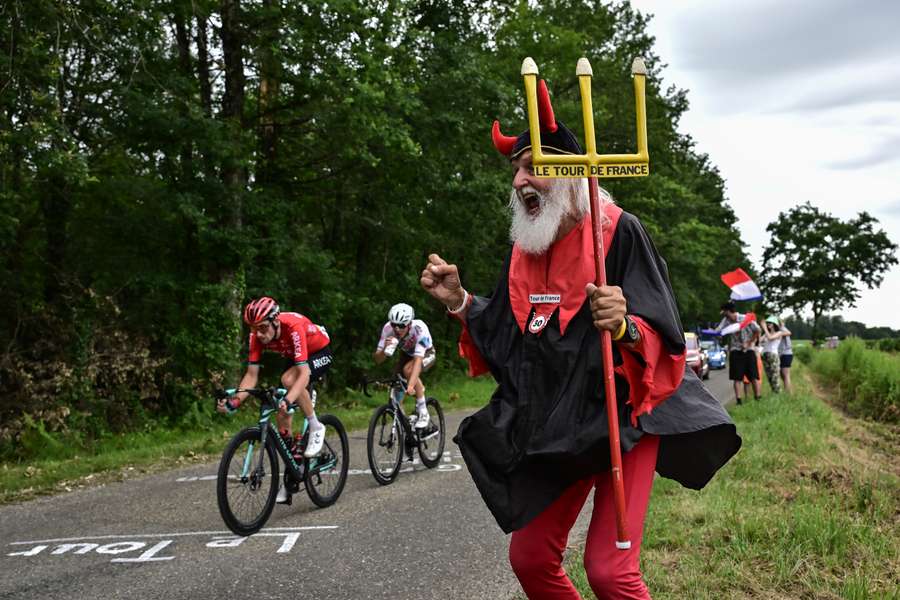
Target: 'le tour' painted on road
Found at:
x=143, y=552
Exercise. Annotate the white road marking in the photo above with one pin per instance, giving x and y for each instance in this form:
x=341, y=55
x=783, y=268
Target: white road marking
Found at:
x=444, y=468
x=221, y=539
x=147, y=556
x=168, y=535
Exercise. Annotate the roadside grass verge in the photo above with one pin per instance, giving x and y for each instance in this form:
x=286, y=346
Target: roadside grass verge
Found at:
x=809, y=508
x=866, y=382
x=121, y=456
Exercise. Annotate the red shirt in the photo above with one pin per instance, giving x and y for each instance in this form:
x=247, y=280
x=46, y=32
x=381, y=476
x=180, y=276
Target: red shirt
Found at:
x=561, y=275
x=298, y=338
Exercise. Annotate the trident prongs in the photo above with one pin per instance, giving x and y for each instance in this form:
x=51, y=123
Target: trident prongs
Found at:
x=590, y=164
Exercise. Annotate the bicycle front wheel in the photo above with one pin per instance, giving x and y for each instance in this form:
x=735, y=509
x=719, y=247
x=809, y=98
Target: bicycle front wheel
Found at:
x=384, y=444
x=247, y=482
x=326, y=473
x=430, y=439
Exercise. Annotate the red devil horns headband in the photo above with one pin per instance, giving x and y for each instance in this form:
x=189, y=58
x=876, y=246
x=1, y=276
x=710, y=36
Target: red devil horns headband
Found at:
x=505, y=143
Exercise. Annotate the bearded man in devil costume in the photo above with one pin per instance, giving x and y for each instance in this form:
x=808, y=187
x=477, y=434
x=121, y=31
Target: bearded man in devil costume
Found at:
x=541, y=445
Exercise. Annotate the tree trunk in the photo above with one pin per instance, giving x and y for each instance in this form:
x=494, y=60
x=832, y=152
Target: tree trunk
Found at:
x=817, y=315
x=182, y=38
x=56, y=205
x=205, y=85
x=269, y=80
x=234, y=176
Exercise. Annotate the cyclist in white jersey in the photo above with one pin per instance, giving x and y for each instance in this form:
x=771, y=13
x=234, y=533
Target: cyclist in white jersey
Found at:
x=411, y=335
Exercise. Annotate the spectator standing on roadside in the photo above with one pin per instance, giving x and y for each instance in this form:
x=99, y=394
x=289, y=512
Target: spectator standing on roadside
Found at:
x=756, y=345
x=786, y=358
x=741, y=356
x=771, y=341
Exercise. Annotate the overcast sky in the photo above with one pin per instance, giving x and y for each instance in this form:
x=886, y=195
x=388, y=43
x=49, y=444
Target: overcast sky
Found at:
x=794, y=101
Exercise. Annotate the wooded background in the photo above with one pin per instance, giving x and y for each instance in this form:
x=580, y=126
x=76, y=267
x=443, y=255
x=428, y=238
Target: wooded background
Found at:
x=164, y=161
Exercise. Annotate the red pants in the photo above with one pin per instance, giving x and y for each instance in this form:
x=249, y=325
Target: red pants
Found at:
x=536, y=550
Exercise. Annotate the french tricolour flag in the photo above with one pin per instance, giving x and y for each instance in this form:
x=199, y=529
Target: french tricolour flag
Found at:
x=742, y=287
x=746, y=319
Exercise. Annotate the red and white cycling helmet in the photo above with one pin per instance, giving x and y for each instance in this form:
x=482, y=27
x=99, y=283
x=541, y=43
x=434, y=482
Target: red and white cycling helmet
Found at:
x=264, y=309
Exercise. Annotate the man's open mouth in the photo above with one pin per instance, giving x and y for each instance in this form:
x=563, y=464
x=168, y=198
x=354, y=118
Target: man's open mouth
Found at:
x=532, y=204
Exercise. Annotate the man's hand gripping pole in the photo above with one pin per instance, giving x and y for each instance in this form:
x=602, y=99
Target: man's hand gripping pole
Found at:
x=592, y=166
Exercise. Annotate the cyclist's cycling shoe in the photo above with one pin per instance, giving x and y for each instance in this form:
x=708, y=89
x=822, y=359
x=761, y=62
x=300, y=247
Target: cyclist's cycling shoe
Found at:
x=428, y=432
x=422, y=419
x=283, y=497
x=316, y=439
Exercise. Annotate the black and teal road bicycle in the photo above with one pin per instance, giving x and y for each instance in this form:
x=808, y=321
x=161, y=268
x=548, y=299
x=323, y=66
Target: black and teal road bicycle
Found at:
x=247, y=483
x=391, y=434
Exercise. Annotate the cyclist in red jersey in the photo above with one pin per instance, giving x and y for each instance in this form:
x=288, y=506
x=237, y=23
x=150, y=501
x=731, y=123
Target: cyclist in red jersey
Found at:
x=305, y=345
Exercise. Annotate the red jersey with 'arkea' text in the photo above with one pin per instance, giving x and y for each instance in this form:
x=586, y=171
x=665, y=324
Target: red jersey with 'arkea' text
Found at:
x=298, y=338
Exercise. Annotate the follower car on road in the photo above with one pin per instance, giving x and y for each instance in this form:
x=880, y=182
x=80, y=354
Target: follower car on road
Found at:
x=715, y=353
x=696, y=355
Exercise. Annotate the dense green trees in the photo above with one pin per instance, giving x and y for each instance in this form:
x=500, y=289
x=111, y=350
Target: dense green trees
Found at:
x=165, y=160
x=814, y=260
x=830, y=325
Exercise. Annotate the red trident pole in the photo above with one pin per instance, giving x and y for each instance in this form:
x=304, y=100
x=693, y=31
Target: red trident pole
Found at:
x=609, y=378
x=592, y=165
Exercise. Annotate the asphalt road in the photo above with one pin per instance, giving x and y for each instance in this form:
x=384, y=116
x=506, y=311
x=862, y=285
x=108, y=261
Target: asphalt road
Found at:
x=428, y=535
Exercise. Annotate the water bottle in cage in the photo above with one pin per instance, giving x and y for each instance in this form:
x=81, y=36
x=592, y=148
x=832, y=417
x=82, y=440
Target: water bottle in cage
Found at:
x=397, y=394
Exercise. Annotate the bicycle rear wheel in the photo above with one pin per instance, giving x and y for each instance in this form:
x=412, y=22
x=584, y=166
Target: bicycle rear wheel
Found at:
x=326, y=473
x=430, y=439
x=384, y=444
x=247, y=482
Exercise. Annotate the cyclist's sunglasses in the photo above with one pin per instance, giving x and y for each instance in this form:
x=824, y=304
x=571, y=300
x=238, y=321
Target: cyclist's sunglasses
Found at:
x=399, y=326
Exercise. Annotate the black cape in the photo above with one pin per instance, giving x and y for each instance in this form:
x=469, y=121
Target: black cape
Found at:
x=546, y=426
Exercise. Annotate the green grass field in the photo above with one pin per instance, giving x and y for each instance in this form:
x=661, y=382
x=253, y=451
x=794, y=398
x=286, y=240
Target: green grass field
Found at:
x=809, y=508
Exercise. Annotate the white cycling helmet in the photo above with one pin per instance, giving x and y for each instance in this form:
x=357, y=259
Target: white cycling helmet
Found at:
x=401, y=314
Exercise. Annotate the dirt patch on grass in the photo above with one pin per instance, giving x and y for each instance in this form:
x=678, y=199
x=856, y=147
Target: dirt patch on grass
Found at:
x=832, y=477
x=870, y=444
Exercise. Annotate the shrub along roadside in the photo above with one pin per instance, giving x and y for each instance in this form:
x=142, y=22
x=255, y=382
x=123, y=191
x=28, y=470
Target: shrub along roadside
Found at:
x=884, y=344
x=866, y=382
x=805, y=510
x=63, y=464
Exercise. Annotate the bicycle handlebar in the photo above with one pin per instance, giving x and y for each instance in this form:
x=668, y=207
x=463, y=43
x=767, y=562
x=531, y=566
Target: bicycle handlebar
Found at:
x=395, y=379
x=263, y=394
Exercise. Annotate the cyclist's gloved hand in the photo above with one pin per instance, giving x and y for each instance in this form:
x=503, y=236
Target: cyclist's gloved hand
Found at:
x=227, y=406
x=286, y=408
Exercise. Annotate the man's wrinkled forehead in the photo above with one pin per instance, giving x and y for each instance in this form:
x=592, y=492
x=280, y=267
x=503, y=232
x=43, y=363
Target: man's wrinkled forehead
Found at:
x=522, y=159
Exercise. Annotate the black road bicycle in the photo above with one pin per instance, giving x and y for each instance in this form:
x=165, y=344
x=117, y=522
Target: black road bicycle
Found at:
x=247, y=483
x=391, y=433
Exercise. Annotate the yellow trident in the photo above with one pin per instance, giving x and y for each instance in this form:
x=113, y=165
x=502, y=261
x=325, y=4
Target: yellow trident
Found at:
x=592, y=165
x=589, y=164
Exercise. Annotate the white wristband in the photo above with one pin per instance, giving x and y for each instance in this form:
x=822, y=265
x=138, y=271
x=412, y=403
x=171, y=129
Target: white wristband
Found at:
x=462, y=306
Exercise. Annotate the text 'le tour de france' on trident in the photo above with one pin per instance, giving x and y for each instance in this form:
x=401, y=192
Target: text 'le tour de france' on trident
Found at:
x=592, y=166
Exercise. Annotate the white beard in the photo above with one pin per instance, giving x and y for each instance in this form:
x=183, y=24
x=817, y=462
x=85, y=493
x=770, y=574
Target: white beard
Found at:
x=534, y=235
